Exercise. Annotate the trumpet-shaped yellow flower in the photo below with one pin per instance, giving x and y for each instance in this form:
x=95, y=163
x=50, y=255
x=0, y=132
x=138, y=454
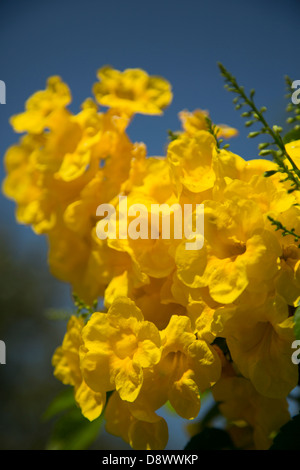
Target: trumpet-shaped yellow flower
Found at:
x=117, y=346
x=49, y=168
x=140, y=434
x=260, y=341
x=149, y=185
x=66, y=364
x=132, y=91
x=190, y=159
x=288, y=280
x=243, y=406
x=150, y=299
x=197, y=120
x=187, y=368
x=238, y=252
x=293, y=149
x=40, y=106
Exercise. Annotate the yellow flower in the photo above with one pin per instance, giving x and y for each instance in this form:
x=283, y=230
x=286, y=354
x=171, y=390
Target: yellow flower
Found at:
x=132, y=91
x=140, y=434
x=31, y=174
x=47, y=170
x=66, y=364
x=293, y=149
x=165, y=306
x=40, y=106
x=190, y=159
x=260, y=341
x=23, y=184
x=67, y=254
x=243, y=406
x=288, y=279
x=148, y=185
x=196, y=120
x=188, y=367
x=149, y=298
x=102, y=266
x=112, y=151
x=238, y=252
x=228, y=168
x=269, y=194
x=118, y=345
x=150, y=256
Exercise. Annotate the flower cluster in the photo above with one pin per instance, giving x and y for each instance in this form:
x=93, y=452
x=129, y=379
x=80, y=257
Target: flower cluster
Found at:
x=175, y=322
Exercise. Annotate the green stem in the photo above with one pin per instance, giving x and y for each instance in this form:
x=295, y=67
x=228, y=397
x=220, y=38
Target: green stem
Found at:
x=266, y=128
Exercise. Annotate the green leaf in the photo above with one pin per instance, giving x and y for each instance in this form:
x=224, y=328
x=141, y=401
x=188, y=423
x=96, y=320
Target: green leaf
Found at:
x=62, y=402
x=72, y=431
x=288, y=437
x=211, y=439
x=172, y=135
x=269, y=173
x=297, y=323
x=292, y=135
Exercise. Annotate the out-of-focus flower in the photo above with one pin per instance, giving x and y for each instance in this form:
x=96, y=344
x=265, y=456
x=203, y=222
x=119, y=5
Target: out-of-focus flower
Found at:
x=259, y=338
x=66, y=364
x=197, y=120
x=41, y=106
x=140, y=434
x=245, y=408
x=132, y=91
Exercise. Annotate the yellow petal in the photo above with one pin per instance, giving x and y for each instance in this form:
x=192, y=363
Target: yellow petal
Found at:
x=91, y=403
x=148, y=436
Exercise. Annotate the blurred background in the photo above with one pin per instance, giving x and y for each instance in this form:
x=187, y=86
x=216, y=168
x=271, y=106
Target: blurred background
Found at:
x=257, y=40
